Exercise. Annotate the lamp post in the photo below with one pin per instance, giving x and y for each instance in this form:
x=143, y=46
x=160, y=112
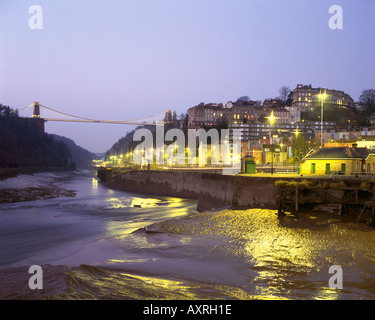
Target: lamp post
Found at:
x=296, y=132
x=272, y=118
x=322, y=97
x=281, y=152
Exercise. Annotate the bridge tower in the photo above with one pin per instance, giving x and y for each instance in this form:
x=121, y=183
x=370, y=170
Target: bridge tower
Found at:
x=36, y=110
x=168, y=117
x=39, y=122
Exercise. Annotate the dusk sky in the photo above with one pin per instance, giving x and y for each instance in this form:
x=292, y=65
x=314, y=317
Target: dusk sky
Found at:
x=118, y=60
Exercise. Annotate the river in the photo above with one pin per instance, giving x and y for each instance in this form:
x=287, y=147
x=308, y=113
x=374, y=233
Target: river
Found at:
x=94, y=245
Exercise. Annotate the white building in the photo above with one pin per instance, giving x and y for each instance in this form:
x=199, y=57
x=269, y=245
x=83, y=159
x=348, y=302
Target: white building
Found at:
x=294, y=114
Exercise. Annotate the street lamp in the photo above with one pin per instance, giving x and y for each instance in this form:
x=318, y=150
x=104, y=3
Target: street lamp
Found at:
x=296, y=132
x=272, y=119
x=281, y=152
x=322, y=97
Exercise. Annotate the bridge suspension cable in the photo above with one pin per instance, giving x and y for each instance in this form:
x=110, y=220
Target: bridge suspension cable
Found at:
x=84, y=119
x=19, y=109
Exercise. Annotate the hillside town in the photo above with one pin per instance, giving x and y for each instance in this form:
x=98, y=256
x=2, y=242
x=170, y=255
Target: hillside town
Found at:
x=305, y=119
x=283, y=134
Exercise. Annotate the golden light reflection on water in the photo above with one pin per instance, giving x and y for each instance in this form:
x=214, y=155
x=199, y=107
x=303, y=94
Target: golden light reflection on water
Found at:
x=127, y=260
x=281, y=257
x=326, y=293
x=135, y=202
x=94, y=186
x=94, y=183
x=284, y=255
x=142, y=212
x=182, y=289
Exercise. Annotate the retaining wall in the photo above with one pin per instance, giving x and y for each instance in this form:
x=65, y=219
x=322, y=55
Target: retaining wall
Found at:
x=212, y=190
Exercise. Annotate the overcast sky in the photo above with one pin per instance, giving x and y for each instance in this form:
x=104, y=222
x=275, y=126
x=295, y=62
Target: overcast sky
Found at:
x=134, y=58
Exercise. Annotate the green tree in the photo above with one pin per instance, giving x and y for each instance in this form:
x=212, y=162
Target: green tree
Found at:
x=22, y=145
x=299, y=147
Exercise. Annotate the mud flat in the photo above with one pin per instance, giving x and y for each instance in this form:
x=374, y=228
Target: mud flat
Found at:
x=33, y=193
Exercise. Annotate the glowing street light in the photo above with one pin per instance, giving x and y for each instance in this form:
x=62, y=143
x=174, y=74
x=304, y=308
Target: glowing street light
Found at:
x=272, y=119
x=296, y=132
x=322, y=97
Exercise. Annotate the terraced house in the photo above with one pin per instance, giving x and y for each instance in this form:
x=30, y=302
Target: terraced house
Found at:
x=340, y=160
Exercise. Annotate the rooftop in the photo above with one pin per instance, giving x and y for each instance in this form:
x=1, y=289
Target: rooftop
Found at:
x=339, y=153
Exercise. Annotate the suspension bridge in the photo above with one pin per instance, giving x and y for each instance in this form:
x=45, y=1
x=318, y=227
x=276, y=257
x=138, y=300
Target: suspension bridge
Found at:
x=46, y=113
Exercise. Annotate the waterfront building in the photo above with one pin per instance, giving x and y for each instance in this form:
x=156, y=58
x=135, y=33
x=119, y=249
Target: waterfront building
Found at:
x=327, y=135
x=366, y=132
x=364, y=142
x=275, y=154
x=239, y=113
x=256, y=153
x=340, y=160
x=367, y=142
x=213, y=114
x=354, y=134
x=306, y=98
x=340, y=143
x=294, y=114
x=343, y=135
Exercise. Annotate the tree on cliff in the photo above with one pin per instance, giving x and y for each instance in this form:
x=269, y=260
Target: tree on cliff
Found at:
x=244, y=98
x=6, y=111
x=22, y=145
x=284, y=93
x=367, y=98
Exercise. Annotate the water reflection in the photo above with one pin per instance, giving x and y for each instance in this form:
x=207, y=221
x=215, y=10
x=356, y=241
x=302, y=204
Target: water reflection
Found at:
x=326, y=293
x=241, y=254
x=278, y=258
